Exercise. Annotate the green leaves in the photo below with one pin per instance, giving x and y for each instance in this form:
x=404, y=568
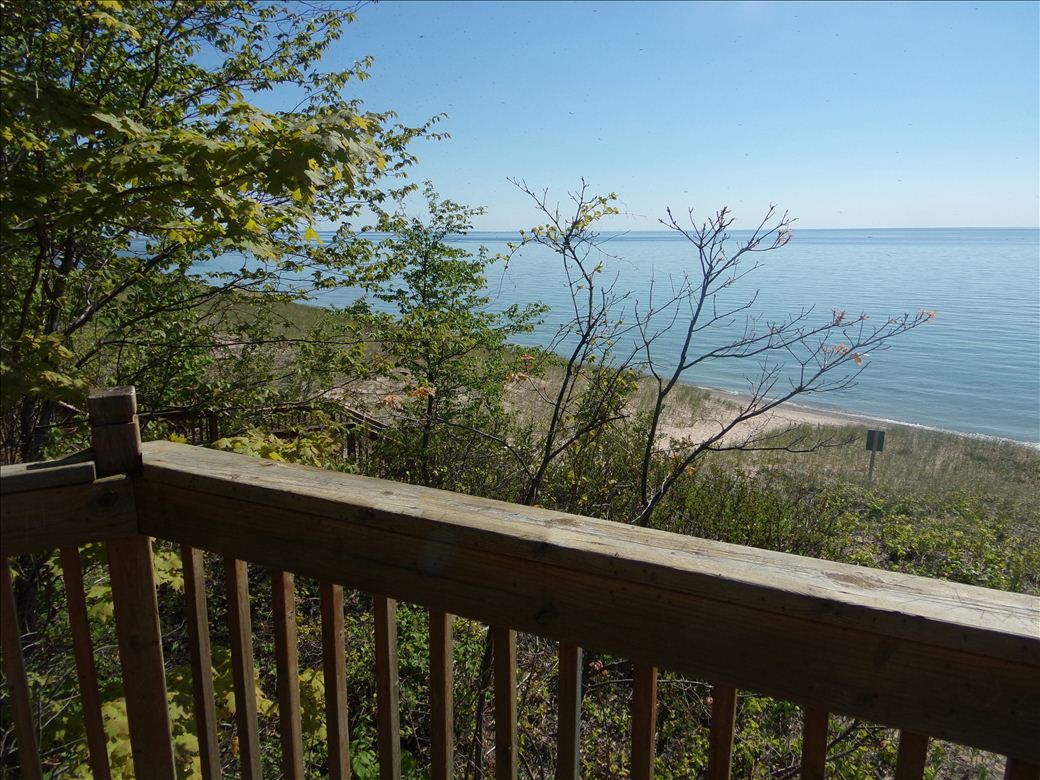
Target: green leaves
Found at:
x=135, y=148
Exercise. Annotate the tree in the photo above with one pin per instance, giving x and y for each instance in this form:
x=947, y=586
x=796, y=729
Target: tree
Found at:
x=612, y=337
x=131, y=153
x=447, y=348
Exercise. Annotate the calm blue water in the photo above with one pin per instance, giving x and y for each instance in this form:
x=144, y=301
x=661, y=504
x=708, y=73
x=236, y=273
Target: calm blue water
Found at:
x=975, y=369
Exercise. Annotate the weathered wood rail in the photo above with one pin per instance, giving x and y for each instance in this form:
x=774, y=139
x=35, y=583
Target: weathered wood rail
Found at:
x=930, y=658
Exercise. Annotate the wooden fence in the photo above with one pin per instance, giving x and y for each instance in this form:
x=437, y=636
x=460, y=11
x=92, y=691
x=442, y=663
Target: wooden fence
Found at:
x=930, y=658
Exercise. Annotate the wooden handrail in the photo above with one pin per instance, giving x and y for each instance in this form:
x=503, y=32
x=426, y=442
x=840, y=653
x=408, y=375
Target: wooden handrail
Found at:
x=844, y=639
x=931, y=658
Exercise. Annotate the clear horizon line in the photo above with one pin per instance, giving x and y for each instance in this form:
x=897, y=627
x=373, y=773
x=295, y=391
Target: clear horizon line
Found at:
x=796, y=228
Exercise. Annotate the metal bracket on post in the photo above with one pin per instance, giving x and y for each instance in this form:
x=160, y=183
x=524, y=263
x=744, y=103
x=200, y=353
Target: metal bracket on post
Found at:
x=116, y=440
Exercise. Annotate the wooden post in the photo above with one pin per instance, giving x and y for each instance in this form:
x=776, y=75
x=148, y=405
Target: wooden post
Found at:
x=17, y=683
x=442, y=722
x=114, y=433
x=814, y=744
x=196, y=618
x=116, y=441
x=644, y=721
x=720, y=745
x=568, y=723
x=212, y=427
x=334, y=665
x=236, y=584
x=83, y=650
x=504, y=657
x=912, y=756
x=388, y=689
x=286, y=652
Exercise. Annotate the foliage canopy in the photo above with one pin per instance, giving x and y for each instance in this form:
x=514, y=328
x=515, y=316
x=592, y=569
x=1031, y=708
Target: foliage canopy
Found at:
x=135, y=146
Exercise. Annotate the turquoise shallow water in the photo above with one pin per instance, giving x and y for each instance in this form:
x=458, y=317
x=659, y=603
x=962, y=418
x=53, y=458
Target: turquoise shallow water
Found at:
x=975, y=369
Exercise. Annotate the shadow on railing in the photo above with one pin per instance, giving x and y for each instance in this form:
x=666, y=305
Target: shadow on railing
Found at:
x=931, y=658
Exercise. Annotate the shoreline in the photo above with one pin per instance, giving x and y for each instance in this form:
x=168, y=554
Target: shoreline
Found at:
x=791, y=414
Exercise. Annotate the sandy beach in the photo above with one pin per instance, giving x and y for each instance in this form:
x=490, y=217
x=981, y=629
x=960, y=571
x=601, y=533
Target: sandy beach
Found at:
x=722, y=405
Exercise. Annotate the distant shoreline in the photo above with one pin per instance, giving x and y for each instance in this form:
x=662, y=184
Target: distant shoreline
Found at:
x=792, y=413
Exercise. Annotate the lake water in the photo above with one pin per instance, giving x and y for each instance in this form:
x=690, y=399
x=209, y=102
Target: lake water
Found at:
x=974, y=369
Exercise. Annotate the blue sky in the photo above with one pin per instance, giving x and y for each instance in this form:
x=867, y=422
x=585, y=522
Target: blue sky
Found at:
x=847, y=115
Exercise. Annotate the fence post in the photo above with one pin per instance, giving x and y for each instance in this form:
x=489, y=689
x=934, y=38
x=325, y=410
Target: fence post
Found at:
x=116, y=440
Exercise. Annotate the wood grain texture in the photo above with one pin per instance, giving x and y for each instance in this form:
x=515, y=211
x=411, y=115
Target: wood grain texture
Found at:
x=43, y=476
x=388, y=688
x=507, y=760
x=334, y=666
x=112, y=405
x=132, y=578
x=720, y=740
x=41, y=520
x=814, y=744
x=236, y=584
x=953, y=661
x=568, y=713
x=913, y=753
x=442, y=679
x=286, y=653
x=17, y=684
x=644, y=721
x=196, y=618
x=83, y=651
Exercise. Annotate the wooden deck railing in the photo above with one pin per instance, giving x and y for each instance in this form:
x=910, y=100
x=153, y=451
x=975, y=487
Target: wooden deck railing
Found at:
x=930, y=658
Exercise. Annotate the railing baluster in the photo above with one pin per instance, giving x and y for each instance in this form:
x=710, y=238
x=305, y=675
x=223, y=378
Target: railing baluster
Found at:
x=504, y=664
x=197, y=619
x=287, y=664
x=18, y=685
x=644, y=721
x=236, y=582
x=83, y=650
x=1016, y=769
x=720, y=746
x=442, y=749
x=814, y=744
x=568, y=719
x=132, y=577
x=334, y=666
x=388, y=719
x=913, y=752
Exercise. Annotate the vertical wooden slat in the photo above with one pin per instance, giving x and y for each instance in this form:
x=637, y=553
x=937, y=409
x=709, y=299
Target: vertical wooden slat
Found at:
x=116, y=442
x=287, y=664
x=18, y=685
x=568, y=713
x=236, y=582
x=644, y=721
x=913, y=752
x=442, y=748
x=720, y=746
x=504, y=655
x=83, y=650
x=814, y=744
x=1016, y=769
x=334, y=665
x=197, y=620
x=388, y=720
x=139, y=638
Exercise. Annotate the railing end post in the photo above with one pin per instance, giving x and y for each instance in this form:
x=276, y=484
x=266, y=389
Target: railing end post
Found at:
x=114, y=430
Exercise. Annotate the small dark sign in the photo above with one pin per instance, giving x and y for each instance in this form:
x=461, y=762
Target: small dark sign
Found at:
x=876, y=441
